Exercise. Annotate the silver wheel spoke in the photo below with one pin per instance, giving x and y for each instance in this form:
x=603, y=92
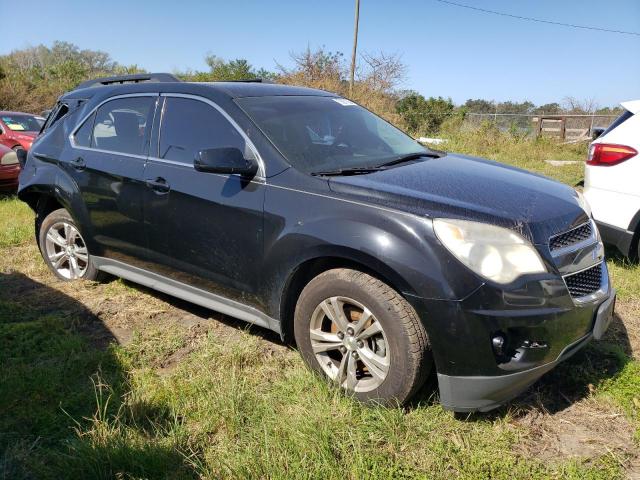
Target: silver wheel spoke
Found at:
x=82, y=256
x=319, y=347
x=334, y=310
x=56, y=238
x=373, y=329
x=352, y=380
x=342, y=369
x=67, y=233
x=364, y=318
x=73, y=267
x=376, y=364
x=53, y=258
x=60, y=261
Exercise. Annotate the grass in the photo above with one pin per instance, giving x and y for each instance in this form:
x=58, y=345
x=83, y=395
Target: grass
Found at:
x=176, y=401
x=16, y=222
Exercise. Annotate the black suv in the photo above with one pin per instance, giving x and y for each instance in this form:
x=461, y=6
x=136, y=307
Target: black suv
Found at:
x=302, y=212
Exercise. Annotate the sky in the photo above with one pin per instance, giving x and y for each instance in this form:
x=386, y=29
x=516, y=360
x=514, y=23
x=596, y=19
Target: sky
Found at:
x=449, y=51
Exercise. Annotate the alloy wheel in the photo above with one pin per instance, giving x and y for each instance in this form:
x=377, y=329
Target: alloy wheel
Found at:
x=66, y=250
x=350, y=344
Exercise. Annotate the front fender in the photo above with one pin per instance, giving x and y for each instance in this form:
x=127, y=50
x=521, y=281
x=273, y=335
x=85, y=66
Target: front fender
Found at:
x=400, y=247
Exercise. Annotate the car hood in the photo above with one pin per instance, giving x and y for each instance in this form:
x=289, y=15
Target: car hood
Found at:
x=459, y=186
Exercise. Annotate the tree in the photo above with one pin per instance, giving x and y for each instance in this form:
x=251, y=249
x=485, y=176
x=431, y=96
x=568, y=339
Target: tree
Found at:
x=548, y=109
x=479, y=106
x=33, y=78
x=422, y=115
x=221, y=70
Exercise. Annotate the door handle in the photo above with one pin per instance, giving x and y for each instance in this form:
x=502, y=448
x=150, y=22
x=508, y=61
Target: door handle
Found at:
x=158, y=185
x=78, y=163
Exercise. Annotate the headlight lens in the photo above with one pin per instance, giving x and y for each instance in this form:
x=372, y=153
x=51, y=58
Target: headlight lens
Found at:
x=495, y=253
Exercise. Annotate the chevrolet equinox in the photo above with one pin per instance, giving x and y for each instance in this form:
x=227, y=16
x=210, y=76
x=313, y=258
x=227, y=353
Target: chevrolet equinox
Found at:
x=302, y=212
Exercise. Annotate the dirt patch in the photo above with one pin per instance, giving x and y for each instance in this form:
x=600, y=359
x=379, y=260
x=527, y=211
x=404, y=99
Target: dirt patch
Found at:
x=586, y=429
x=627, y=331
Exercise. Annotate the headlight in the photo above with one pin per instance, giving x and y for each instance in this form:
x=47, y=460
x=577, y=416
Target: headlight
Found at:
x=495, y=253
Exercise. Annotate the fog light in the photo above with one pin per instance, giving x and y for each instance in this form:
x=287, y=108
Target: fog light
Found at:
x=498, y=344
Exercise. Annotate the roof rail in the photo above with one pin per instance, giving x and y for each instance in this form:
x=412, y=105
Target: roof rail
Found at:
x=133, y=78
x=246, y=80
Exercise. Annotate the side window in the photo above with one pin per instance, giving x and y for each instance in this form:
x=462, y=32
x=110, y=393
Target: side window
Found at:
x=189, y=126
x=121, y=125
x=83, y=136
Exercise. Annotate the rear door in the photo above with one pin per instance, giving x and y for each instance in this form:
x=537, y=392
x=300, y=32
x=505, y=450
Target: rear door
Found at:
x=108, y=159
x=205, y=229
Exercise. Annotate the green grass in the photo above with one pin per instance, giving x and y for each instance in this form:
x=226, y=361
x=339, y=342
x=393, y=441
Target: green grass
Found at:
x=16, y=222
x=229, y=408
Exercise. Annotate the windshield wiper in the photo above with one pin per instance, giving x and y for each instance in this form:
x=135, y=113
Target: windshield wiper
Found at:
x=347, y=171
x=375, y=168
x=411, y=156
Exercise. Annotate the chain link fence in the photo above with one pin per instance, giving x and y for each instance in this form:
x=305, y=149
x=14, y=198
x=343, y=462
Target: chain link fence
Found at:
x=565, y=127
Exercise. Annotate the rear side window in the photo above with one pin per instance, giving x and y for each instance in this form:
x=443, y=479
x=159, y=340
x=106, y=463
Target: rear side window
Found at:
x=83, y=136
x=121, y=125
x=189, y=126
x=618, y=121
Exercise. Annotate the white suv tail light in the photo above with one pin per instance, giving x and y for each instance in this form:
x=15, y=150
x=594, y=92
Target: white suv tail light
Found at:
x=608, y=154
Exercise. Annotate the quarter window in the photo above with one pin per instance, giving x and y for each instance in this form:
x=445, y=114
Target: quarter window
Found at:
x=189, y=126
x=121, y=125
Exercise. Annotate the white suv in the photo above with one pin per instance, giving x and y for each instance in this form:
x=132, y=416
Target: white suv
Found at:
x=612, y=181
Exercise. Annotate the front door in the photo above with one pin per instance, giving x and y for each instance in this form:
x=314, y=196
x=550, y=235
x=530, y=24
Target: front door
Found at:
x=205, y=229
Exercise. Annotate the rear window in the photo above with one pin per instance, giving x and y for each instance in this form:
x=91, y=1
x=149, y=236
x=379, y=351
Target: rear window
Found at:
x=618, y=121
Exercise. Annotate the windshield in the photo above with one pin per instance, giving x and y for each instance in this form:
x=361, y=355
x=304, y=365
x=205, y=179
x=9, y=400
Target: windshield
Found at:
x=20, y=123
x=318, y=134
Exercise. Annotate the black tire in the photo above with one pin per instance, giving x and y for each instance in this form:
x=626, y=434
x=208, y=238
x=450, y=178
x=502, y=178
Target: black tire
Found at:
x=57, y=217
x=15, y=148
x=406, y=339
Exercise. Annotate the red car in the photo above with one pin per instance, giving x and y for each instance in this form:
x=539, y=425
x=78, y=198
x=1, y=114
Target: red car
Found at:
x=9, y=169
x=17, y=129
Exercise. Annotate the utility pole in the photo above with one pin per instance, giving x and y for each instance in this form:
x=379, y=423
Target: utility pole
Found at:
x=355, y=47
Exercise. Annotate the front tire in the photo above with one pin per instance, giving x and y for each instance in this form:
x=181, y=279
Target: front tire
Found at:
x=63, y=248
x=360, y=333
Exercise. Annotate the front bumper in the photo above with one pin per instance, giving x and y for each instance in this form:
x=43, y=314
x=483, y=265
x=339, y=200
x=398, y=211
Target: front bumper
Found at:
x=542, y=326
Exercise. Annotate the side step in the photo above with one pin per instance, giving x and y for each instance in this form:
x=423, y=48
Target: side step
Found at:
x=187, y=292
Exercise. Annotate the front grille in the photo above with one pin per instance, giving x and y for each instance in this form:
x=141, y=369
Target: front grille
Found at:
x=566, y=239
x=585, y=282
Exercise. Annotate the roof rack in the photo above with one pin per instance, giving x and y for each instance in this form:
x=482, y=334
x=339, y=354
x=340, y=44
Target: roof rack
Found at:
x=246, y=80
x=133, y=78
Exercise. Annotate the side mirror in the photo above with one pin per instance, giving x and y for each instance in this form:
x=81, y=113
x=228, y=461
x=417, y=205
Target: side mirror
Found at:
x=21, y=153
x=225, y=160
x=596, y=132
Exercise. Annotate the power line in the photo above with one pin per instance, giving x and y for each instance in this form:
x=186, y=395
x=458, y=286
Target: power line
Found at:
x=585, y=27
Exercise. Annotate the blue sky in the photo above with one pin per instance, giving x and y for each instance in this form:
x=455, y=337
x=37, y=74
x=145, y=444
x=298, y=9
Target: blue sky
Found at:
x=449, y=51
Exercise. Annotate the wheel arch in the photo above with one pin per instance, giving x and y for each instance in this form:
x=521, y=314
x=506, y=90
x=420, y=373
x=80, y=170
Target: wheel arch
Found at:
x=313, y=266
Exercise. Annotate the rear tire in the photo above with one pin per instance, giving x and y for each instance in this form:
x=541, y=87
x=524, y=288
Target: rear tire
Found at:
x=360, y=333
x=63, y=248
